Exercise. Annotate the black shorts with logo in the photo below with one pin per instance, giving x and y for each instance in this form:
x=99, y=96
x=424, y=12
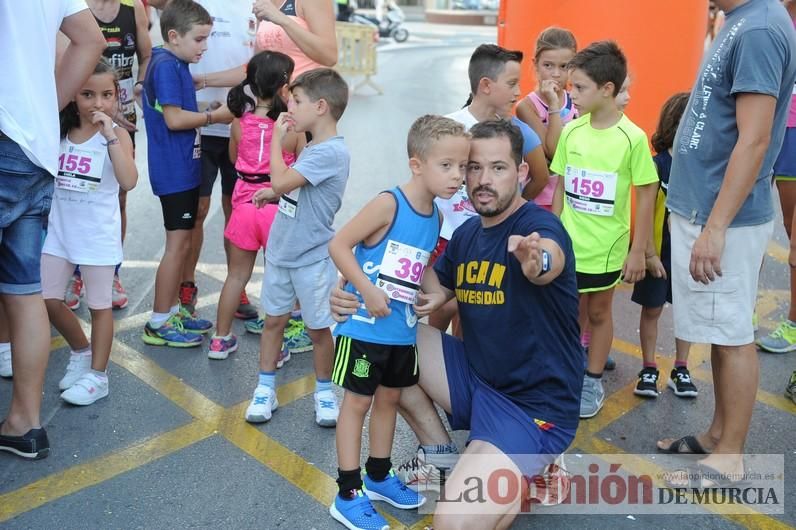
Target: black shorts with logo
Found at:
x=179, y=209
x=361, y=366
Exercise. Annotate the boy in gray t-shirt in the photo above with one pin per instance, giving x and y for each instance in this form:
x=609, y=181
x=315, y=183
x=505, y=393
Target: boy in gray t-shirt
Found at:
x=297, y=263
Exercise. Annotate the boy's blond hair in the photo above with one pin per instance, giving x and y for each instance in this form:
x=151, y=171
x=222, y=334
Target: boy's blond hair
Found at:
x=428, y=129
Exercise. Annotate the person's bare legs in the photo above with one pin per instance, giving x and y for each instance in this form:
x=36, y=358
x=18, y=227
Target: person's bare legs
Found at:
x=271, y=341
x=322, y=351
x=382, y=421
x=27, y=317
x=188, y=270
x=167, y=280
x=226, y=207
x=66, y=323
x=480, y=459
x=5, y=333
x=711, y=436
x=416, y=403
x=101, y=338
x=240, y=266
x=602, y=329
x=348, y=434
x=648, y=332
x=737, y=380
x=682, y=349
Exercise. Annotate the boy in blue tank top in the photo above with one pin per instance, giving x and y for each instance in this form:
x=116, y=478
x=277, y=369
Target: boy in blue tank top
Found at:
x=393, y=237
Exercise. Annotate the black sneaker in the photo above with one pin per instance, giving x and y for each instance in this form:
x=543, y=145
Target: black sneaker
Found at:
x=33, y=444
x=681, y=383
x=647, y=385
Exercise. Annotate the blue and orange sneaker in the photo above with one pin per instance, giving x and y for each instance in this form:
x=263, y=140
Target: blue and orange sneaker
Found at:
x=192, y=323
x=172, y=334
x=357, y=513
x=393, y=491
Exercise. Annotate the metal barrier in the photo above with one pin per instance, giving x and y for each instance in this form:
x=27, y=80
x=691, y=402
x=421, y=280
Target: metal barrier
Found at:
x=356, y=48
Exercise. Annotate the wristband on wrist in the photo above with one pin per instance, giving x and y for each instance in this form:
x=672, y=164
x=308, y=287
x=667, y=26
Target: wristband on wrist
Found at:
x=209, y=118
x=547, y=263
x=112, y=141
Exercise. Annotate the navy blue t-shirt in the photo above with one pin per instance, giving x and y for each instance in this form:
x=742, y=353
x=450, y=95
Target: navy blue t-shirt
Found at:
x=521, y=339
x=174, y=156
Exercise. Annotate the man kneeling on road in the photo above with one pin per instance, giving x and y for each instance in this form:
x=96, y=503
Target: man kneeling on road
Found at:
x=515, y=379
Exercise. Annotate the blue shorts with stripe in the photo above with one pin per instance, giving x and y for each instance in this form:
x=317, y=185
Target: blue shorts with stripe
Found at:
x=492, y=417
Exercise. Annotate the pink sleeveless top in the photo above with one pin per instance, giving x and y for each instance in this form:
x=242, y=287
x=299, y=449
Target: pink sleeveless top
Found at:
x=545, y=198
x=254, y=155
x=274, y=38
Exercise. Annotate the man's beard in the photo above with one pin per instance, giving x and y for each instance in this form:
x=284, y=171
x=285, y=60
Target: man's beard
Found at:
x=502, y=205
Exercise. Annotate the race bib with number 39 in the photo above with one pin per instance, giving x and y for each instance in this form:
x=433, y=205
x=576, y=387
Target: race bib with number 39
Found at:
x=401, y=271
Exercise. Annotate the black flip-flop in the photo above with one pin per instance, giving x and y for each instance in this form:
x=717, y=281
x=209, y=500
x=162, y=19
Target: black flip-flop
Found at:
x=691, y=442
x=698, y=474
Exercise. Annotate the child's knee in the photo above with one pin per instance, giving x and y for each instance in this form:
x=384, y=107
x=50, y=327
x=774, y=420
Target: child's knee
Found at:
x=319, y=335
x=276, y=323
x=387, y=396
x=358, y=404
x=651, y=313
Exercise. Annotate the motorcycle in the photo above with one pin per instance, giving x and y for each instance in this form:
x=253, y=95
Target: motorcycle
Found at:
x=391, y=26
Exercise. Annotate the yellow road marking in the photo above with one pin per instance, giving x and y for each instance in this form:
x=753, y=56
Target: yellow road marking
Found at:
x=423, y=523
x=100, y=469
x=174, y=389
x=282, y=461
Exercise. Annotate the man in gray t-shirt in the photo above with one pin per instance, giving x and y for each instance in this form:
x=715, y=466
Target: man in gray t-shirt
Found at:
x=722, y=212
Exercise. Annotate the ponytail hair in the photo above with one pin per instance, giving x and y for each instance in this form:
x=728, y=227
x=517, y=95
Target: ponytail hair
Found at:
x=266, y=73
x=69, y=117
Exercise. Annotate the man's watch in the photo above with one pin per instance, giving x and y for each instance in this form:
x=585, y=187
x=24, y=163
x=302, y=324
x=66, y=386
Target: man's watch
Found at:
x=547, y=263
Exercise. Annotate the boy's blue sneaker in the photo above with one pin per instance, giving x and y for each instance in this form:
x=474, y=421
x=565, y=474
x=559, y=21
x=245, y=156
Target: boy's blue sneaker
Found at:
x=296, y=338
x=357, y=513
x=393, y=491
x=172, y=334
x=193, y=324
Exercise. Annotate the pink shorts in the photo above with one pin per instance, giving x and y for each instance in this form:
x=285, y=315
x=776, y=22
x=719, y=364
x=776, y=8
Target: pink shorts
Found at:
x=249, y=226
x=98, y=279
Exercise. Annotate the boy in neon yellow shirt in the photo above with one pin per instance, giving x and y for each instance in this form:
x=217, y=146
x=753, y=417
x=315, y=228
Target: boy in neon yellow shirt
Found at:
x=600, y=157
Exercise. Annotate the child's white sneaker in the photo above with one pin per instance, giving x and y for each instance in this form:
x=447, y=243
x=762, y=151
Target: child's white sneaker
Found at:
x=87, y=389
x=79, y=364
